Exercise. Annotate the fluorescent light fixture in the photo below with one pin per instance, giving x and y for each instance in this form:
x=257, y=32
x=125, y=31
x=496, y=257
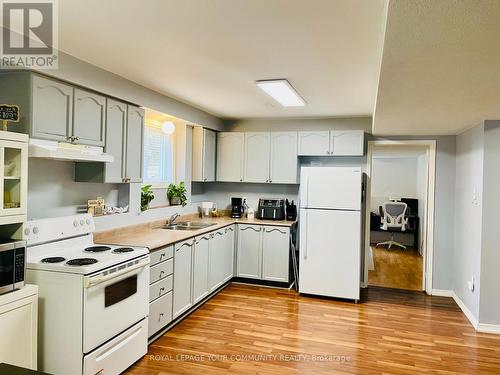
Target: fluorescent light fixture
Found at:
x=281, y=91
x=168, y=127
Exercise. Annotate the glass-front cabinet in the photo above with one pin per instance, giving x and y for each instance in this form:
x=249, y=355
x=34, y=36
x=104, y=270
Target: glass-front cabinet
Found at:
x=13, y=177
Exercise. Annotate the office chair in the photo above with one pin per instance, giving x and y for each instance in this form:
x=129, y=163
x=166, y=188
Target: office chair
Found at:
x=393, y=220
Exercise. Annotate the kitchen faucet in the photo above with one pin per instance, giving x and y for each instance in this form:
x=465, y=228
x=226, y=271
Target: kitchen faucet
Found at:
x=173, y=218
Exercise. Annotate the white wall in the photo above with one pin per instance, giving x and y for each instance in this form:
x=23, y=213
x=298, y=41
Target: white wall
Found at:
x=468, y=216
x=393, y=176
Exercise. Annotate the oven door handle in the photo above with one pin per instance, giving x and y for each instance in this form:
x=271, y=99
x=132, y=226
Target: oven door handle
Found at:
x=91, y=281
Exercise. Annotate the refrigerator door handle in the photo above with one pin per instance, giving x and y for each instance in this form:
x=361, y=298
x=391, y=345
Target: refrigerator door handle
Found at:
x=306, y=235
x=307, y=192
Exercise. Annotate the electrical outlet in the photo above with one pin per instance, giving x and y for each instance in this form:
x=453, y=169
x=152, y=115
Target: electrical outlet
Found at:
x=470, y=284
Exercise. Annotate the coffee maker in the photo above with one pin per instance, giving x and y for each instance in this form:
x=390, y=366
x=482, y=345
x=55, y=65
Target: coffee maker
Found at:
x=237, y=207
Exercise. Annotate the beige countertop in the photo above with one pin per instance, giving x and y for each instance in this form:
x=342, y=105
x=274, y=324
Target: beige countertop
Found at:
x=152, y=236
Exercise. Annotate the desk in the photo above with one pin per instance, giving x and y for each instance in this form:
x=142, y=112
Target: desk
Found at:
x=413, y=227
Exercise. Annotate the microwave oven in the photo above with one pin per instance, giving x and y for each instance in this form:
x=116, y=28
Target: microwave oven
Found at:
x=12, y=265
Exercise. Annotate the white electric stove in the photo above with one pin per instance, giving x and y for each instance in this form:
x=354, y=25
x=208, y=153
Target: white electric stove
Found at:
x=94, y=298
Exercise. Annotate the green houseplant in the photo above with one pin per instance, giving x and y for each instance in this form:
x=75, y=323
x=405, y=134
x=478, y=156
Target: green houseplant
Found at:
x=146, y=197
x=177, y=194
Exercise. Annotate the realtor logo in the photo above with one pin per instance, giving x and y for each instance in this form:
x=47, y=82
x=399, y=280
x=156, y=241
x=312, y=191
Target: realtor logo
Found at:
x=29, y=34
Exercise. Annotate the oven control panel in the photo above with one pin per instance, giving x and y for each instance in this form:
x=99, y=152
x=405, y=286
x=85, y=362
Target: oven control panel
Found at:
x=58, y=228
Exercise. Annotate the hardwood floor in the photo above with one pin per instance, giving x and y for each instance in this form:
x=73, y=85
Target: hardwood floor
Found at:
x=390, y=332
x=396, y=268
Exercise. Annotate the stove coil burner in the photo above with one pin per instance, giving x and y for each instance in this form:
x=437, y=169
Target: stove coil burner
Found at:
x=53, y=260
x=97, y=249
x=81, y=261
x=123, y=250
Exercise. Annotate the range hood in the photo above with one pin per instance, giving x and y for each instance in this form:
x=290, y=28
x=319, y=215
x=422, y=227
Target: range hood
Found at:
x=39, y=148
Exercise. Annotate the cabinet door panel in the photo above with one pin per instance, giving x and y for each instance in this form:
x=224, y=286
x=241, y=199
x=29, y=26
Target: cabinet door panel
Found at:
x=134, y=144
x=88, y=118
x=230, y=149
x=347, y=143
x=116, y=122
x=275, y=254
x=200, y=268
x=209, y=155
x=52, y=109
x=249, y=251
x=315, y=143
x=283, y=167
x=18, y=320
x=228, y=253
x=217, y=254
x=182, y=277
x=256, y=160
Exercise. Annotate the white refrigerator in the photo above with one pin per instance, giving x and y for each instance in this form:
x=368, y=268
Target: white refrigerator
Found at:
x=330, y=231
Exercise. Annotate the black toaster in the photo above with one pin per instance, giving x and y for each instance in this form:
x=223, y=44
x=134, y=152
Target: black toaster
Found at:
x=271, y=209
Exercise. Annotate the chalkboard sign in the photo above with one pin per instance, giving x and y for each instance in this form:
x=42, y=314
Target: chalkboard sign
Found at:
x=9, y=113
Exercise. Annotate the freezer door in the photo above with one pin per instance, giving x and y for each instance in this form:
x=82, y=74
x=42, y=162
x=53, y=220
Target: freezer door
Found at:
x=330, y=253
x=331, y=188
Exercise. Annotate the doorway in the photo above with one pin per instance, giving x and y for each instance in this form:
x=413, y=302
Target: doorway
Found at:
x=400, y=181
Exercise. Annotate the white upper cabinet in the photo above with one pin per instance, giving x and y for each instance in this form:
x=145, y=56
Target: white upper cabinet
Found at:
x=116, y=130
x=204, y=154
x=256, y=160
x=88, y=117
x=314, y=143
x=52, y=109
x=333, y=142
x=347, y=142
x=230, y=151
x=134, y=144
x=283, y=162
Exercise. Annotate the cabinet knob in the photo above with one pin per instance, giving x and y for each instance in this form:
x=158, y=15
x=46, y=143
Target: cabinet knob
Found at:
x=241, y=180
x=270, y=180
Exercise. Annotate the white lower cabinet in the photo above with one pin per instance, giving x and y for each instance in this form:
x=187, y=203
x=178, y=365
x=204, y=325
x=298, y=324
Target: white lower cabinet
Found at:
x=183, y=259
x=249, y=251
x=161, y=281
x=228, y=270
x=275, y=254
x=18, y=322
x=160, y=313
x=200, y=266
x=263, y=252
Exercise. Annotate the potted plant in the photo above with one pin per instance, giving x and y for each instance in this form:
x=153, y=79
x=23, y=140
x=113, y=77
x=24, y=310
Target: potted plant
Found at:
x=146, y=197
x=177, y=194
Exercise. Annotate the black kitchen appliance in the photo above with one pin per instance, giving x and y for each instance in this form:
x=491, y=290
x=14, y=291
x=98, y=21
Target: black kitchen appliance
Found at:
x=271, y=209
x=291, y=211
x=237, y=207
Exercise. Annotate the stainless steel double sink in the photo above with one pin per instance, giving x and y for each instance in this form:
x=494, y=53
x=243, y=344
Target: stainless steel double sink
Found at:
x=187, y=225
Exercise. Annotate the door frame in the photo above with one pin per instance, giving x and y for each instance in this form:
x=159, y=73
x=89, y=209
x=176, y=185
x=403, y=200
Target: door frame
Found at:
x=428, y=251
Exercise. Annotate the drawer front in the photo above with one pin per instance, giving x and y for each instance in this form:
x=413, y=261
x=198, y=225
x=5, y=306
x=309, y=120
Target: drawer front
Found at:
x=162, y=254
x=161, y=270
x=160, y=288
x=160, y=313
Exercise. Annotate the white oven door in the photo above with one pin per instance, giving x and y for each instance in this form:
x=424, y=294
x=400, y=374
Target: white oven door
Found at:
x=114, y=301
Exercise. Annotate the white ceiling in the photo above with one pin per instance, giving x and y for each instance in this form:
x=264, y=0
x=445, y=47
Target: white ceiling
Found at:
x=440, y=68
x=209, y=53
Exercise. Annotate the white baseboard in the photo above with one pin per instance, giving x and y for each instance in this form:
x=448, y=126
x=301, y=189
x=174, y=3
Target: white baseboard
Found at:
x=466, y=311
x=488, y=328
x=442, y=292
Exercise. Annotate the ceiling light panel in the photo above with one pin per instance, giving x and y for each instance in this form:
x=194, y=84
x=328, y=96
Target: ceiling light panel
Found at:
x=282, y=91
